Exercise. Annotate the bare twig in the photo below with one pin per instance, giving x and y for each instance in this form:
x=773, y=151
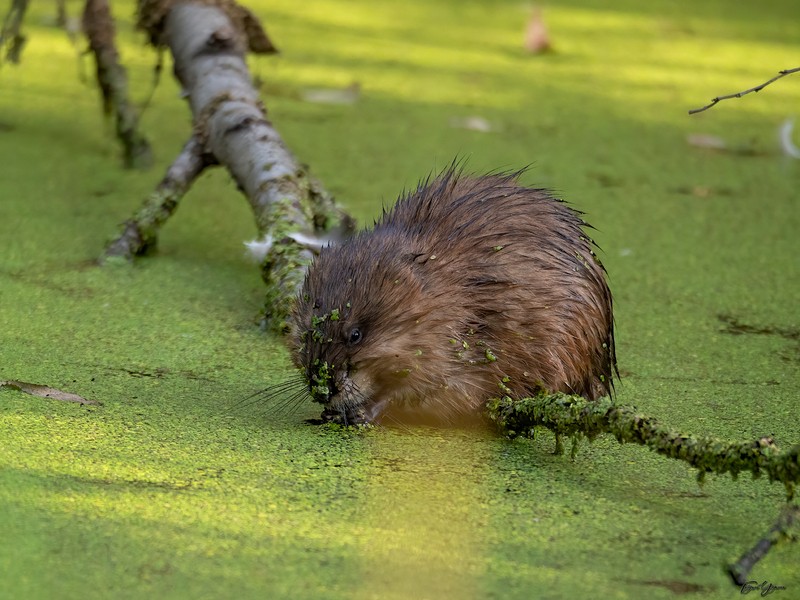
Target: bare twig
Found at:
x=61, y=13
x=758, y=88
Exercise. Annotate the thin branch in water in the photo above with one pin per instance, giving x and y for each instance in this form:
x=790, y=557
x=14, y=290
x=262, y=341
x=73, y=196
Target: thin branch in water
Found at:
x=786, y=528
x=140, y=233
x=61, y=13
x=157, y=70
x=98, y=25
x=758, y=88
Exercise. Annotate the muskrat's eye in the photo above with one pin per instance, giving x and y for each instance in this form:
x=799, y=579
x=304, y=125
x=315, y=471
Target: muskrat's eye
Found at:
x=355, y=336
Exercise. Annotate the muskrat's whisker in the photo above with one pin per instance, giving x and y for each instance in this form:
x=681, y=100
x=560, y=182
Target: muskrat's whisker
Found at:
x=291, y=404
x=280, y=396
x=276, y=389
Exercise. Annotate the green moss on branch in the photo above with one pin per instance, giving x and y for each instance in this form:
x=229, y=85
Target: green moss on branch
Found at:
x=577, y=417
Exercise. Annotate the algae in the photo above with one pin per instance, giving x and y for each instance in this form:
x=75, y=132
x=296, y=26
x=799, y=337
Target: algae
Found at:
x=173, y=490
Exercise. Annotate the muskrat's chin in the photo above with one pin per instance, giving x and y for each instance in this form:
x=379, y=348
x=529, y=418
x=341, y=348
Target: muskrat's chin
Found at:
x=341, y=416
x=353, y=415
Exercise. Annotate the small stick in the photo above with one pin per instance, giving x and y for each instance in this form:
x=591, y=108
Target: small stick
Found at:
x=758, y=88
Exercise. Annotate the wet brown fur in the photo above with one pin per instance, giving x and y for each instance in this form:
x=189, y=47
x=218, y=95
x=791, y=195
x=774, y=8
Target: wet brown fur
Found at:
x=467, y=285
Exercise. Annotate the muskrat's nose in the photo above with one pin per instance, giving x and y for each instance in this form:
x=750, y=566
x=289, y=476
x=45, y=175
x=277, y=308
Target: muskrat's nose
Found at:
x=332, y=389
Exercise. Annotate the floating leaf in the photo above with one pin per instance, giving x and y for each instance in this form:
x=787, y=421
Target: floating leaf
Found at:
x=44, y=391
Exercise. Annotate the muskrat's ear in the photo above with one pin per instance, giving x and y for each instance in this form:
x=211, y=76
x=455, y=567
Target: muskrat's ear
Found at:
x=416, y=258
x=409, y=256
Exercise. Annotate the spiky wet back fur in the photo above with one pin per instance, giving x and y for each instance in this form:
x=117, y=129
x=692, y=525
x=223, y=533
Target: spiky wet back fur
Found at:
x=467, y=285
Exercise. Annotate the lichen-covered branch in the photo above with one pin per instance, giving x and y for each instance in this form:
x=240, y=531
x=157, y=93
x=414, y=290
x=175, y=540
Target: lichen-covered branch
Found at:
x=785, y=529
x=98, y=25
x=11, y=38
x=140, y=234
x=208, y=40
x=577, y=417
x=757, y=88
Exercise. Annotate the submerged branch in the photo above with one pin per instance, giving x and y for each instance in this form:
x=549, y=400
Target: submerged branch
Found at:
x=757, y=88
x=577, y=417
x=785, y=529
x=45, y=391
x=140, y=233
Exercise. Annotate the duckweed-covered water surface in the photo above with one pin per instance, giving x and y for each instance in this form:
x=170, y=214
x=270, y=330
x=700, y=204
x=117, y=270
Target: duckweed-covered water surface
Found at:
x=177, y=486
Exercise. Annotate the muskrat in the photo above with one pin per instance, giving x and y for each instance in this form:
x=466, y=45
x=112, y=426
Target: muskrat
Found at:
x=471, y=287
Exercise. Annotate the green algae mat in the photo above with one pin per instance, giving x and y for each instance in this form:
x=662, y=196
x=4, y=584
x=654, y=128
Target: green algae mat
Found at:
x=174, y=485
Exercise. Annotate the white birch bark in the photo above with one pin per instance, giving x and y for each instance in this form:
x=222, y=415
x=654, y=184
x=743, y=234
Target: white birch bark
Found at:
x=208, y=41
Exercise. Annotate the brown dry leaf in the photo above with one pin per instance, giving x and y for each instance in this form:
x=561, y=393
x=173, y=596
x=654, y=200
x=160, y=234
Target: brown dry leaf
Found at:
x=44, y=391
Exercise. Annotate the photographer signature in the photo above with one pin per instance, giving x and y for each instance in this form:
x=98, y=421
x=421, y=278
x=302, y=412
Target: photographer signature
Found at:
x=765, y=586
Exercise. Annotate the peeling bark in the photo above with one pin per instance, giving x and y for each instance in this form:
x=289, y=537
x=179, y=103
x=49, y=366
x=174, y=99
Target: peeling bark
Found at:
x=208, y=40
x=98, y=25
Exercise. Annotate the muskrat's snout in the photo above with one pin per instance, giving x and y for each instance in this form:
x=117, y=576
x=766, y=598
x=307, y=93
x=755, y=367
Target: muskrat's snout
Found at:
x=322, y=393
x=329, y=388
x=321, y=380
x=321, y=397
